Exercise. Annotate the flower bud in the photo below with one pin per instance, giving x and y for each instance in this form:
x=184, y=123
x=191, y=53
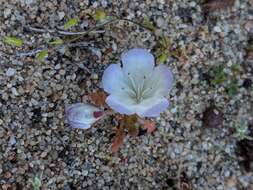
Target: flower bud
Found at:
x=82, y=115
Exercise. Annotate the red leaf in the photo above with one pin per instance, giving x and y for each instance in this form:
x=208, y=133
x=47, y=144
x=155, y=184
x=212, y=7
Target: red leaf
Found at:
x=150, y=126
x=98, y=98
x=118, y=139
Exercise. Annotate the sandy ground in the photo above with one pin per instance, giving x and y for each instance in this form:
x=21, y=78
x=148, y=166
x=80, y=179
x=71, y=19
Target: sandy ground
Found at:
x=196, y=145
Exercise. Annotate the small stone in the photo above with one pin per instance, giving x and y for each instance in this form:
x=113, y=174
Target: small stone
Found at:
x=10, y=72
x=7, y=12
x=85, y=172
x=160, y=22
x=217, y=29
x=12, y=140
x=14, y=91
x=94, y=76
x=43, y=154
x=61, y=15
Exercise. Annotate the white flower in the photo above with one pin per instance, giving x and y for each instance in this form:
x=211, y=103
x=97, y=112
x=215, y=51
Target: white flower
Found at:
x=138, y=87
x=81, y=115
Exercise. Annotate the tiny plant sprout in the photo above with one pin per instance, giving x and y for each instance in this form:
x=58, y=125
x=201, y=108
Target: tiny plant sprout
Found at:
x=138, y=87
x=82, y=115
x=36, y=183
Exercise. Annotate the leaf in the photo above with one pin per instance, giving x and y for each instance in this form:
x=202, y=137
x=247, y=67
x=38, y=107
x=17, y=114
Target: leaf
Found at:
x=99, y=15
x=245, y=154
x=71, y=22
x=133, y=130
x=180, y=54
x=148, y=24
x=215, y=5
x=212, y=117
x=149, y=126
x=13, y=41
x=164, y=42
x=98, y=98
x=41, y=56
x=56, y=42
x=129, y=123
x=118, y=139
x=219, y=76
x=232, y=88
x=163, y=57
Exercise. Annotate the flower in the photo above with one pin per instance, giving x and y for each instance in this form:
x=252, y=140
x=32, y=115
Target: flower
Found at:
x=81, y=115
x=138, y=87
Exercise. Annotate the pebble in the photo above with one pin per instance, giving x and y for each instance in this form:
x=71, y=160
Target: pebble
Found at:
x=7, y=13
x=160, y=22
x=10, y=72
x=217, y=29
x=61, y=15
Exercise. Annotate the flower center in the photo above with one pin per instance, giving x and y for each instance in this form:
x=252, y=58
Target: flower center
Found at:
x=138, y=88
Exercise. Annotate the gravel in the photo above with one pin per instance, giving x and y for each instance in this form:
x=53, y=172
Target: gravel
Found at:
x=35, y=141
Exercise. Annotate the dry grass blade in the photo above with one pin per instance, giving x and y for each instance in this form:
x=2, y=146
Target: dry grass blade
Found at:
x=217, y=5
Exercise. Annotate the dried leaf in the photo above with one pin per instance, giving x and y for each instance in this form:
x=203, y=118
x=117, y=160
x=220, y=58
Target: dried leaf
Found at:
x=98, y=98
x=244, y=150
x=133, y=130
x=13, y=41
x=180, y=54
x=70, y=23
x=212, y=117
x=129, y=123
x=251, y=2
x=150, y=126
x=118, y=139
x=215, y=5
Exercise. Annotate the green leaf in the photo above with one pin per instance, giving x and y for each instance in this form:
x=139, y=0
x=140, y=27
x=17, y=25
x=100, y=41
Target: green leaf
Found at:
x=219, y=75
x=148, y=24
x=36, y=183
x=99, y=15
x=163, y=57
x=13, y=41
x=41, y=56
x=232, y=88
x=56, y=42
x=164, y=42
x=71, y=22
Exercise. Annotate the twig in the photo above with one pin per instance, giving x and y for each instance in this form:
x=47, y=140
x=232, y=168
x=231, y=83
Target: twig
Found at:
x=79, y=33
x=35, y=51
x=180, y=166
x=30, y=53
x=91, y=30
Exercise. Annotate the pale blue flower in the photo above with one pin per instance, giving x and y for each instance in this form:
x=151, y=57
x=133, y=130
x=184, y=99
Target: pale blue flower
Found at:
x=81, y=115
x=138, y=87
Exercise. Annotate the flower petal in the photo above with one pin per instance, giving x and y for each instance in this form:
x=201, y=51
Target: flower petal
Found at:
x=80, y=115
x=121, y=104
x=136, y=60
x=112, y=79
x=161, y=80
x=152, y=107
